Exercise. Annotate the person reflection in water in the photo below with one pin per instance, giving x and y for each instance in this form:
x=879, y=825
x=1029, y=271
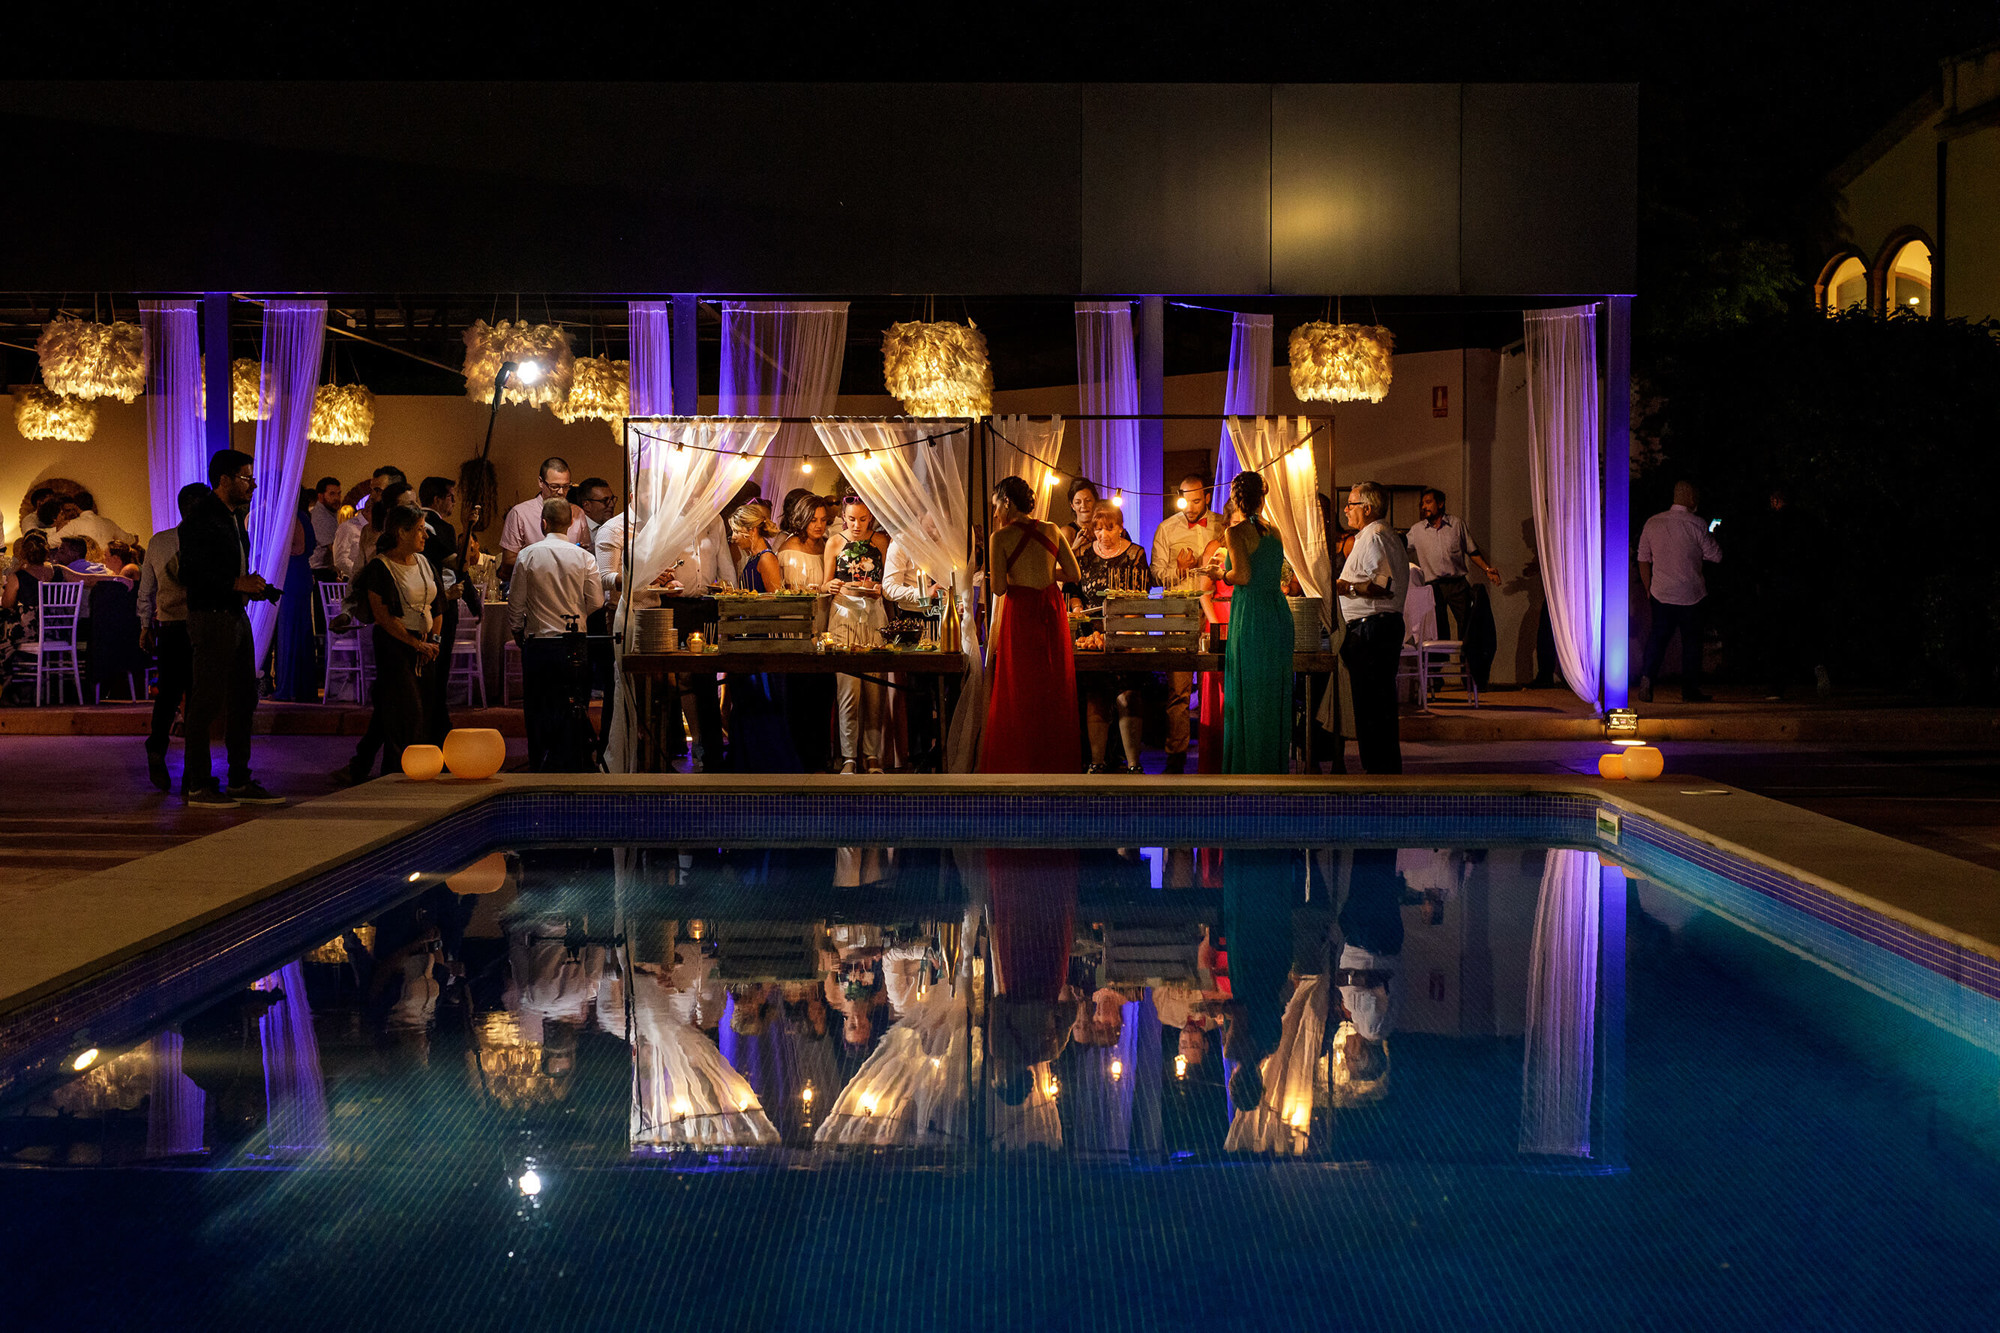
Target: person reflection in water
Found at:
x=1032, y=910
x=1371, y=931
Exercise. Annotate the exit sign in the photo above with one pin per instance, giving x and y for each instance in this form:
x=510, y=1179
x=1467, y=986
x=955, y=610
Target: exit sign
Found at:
x=1440, y=401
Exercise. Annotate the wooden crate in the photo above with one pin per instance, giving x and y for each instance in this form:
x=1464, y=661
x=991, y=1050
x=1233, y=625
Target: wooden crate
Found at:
x=765, y=625
x=1170, y=623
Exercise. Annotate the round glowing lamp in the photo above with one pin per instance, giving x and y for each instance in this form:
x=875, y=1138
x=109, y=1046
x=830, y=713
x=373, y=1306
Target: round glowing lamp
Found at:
x=421, y=763
x=474, y=753
x=486, y=875
x=1611, y=765
x=1643, y=763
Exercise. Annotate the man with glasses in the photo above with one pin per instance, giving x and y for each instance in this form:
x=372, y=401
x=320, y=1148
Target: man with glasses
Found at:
x=1177, y=546
x=215, y=569
x=1371, y=588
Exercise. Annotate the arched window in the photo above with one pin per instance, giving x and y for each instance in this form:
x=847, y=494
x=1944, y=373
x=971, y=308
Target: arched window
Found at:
x=1843, y=284
x=1903, y=274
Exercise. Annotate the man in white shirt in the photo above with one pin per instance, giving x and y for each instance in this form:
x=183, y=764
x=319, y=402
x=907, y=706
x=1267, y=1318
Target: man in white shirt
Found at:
x=523, y=525
x=91, y=525
x=325, y=514
x=694, y=569
x=595, y=499
x=163, y=632
x=1371, y=588
x=1672, y=548
x=1444, y=552
x=556, y=586
x=347, y=538
x=1177, y=546
x=1371, y=954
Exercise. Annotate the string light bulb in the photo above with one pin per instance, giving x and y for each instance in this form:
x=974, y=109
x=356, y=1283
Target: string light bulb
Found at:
x=806, y=467
x=1180, y=1066
x=1118, y=498
x=1181, y=503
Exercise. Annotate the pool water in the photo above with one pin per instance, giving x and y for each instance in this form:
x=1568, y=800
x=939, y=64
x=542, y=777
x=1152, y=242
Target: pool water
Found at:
x=567, y=1087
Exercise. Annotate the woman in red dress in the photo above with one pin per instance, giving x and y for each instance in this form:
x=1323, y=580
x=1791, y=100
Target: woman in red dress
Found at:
x=1031, y=701
x=1215, y=595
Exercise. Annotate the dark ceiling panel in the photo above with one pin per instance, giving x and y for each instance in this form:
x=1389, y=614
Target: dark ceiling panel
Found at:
x=1364, y=188
x=1551, y=194
x=1176, y=188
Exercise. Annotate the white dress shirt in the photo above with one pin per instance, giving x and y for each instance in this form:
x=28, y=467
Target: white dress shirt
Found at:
x=92, y=526
x=553, y=579
x=161, y=596
x=901, y=584
x=1675, y=544
x=706, y=562
x=1378, y=556
x=347, y=544
x=523, y=526
x=1177, y=534
x=1373, y=1008
x=1444, y=551
x=325, y=526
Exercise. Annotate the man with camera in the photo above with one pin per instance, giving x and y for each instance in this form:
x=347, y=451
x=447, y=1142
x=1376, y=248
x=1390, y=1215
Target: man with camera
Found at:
x=215, y=570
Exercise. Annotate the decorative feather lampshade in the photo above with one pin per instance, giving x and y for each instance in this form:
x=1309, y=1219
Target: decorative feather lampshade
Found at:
x=938, y=370
x=489, y=346
x=342, y=414
x=1341, y=363
x=600, y=389
x=250, y=397
x=41, y=415
x=84, y=359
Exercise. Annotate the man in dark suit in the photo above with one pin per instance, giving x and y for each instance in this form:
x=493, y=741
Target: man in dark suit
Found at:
x=439, y=497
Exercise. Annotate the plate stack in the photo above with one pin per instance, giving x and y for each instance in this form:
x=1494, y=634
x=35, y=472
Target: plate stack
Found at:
x=653, y=630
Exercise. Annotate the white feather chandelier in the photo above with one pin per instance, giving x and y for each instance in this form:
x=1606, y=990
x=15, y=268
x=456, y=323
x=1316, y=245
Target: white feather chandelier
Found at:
x=342, y=414
x=600, y=389
x=1341, y=363
x=250, y=395
x=84, y=359
x=41, y=415
x=489, y=346
x=938, y=369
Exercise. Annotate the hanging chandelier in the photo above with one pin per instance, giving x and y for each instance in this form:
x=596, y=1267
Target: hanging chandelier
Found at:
x=600, y=389
x=42, y=415
x=84, y=359
x=489, y=346
x=1341, y=363
x=250, y=393
x=342, y=414
x=938, y=369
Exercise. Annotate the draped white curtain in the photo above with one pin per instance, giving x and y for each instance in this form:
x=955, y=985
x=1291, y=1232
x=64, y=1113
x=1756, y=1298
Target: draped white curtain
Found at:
x=783, y=359
x=1277, y=447
x=1559, y=1053
x=294, y=332
x=652, y=374
x=176, y=451
x=1107, y=383
x=1028, y=449
x=294, y=1087
x=918, y=492
x=1563, y=472
x=1247, y=392
x=672, y=498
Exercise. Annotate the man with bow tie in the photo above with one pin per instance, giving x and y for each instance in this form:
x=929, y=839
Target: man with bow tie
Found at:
x=1177, y=548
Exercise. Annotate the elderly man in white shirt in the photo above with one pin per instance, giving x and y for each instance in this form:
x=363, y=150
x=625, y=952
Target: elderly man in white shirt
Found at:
x=1178, y=544
x=1371, y=588
x=1673, y=546
x=556, y=586
x=523, y=524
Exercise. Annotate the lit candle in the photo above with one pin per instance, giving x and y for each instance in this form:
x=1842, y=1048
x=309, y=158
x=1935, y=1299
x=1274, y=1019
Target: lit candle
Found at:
x=697, y=644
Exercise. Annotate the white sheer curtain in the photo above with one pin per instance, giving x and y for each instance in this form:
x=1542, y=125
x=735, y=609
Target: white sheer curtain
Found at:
x=176, y=451
x=1559, y=1053
x=918, y=491
x=1563, y=471
x=1277, y=447
x=1107, y=383
x=1028, y=449
x=652, y=374
x=674, y=494
x=294, y=332
x=783, y=359
x=1247, y=392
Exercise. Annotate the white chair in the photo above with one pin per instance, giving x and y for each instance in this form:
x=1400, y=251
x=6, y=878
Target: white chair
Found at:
x=347, y=671
x=1419, y=624
x=1439, y=658
x=55, y=650
x=468, y=665
x=510, y=673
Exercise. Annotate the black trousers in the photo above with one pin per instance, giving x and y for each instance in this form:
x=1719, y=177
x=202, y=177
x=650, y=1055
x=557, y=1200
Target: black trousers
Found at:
x=222, y=682
x=1667, y=620
x=557, y=742
x=173, y=657
x=397, y=721
x=437, y=681
x=1453, y=596
x=1372, y=650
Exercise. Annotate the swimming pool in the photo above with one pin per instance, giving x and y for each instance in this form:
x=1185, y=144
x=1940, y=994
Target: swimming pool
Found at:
x=1628, y=1078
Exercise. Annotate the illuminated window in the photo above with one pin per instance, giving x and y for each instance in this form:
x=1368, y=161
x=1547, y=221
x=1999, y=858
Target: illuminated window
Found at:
x=1907, y=283
x=1845, y=285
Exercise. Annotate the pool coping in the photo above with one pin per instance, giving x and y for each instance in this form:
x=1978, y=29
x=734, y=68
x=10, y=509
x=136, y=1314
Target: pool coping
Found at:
x=65, y=935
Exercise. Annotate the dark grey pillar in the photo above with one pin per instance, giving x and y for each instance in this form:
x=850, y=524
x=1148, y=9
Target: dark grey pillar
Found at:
x=1149, y=351
x=215, y=364
x=685, y=339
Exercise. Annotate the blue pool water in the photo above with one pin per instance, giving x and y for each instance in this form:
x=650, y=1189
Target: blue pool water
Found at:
x=1622, y=1087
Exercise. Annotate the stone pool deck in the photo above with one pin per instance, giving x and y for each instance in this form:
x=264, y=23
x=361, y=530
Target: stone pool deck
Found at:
x=53, y=938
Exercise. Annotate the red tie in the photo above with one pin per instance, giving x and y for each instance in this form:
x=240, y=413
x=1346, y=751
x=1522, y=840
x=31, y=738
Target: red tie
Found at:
x=1201, y=522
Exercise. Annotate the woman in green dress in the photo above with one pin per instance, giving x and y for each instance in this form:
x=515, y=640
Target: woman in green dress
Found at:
x=1257, y=657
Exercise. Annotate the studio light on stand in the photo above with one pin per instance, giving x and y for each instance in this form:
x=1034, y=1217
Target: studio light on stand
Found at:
x=1621, y=727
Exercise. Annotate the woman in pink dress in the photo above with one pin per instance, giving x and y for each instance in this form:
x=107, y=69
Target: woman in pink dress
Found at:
x=1031, y=702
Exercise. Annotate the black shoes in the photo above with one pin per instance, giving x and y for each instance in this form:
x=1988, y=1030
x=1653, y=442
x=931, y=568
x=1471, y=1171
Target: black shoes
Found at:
x=156, y=771
x=208, y=797
x=1176, y=763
